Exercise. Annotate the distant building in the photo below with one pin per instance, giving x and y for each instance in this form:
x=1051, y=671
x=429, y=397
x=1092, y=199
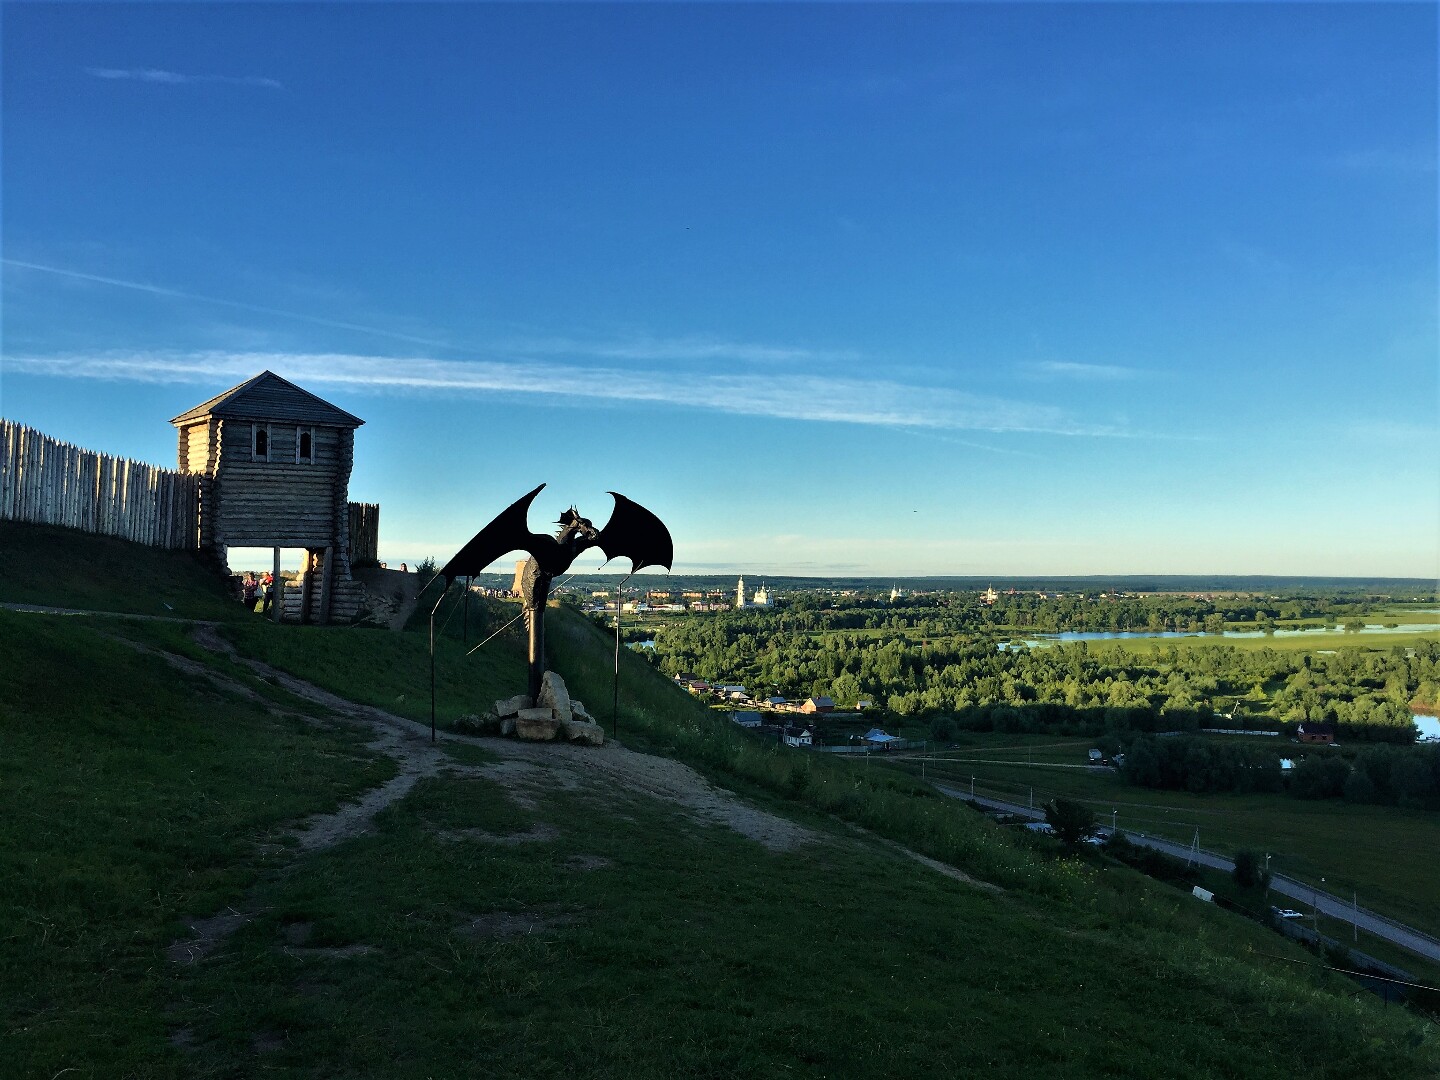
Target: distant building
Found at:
x=818, y=705
x=798, y=736
x=896, y=593
x=989, y=596
x=1316, y=733
x=747, y=719
x=761, y=599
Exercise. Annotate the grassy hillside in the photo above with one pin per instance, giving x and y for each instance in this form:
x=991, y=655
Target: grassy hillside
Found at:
x=132, y=796
x=58, y=567
x=525, y=916
x=1372, y=849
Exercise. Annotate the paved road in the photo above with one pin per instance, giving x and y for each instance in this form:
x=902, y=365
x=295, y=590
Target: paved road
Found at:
x=1397, y=933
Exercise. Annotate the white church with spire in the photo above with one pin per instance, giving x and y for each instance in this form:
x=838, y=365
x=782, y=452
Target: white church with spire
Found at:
x=760, y=600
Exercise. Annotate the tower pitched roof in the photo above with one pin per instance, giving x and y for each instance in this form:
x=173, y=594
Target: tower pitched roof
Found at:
x=269, y=397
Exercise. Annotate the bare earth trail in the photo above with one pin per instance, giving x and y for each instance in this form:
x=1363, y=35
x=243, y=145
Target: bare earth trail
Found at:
x=526, y=770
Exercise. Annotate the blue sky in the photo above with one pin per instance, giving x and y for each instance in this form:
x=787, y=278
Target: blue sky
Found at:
x=877, y=289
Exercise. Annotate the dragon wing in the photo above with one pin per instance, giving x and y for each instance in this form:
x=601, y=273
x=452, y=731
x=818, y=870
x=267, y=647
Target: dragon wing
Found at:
x=636, y=534
x=510, y=531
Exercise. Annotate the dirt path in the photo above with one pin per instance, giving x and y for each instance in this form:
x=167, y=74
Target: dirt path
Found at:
x=524, y=769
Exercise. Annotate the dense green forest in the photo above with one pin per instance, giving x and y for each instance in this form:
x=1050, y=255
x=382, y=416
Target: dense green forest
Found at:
x=941, y=659
x=1385, y=775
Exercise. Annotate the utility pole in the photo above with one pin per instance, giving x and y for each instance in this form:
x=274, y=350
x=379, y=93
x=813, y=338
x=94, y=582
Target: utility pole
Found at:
x=1355, y=913
x=972, y=787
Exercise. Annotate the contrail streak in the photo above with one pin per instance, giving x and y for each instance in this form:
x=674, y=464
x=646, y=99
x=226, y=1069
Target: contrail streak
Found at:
x=158, y=290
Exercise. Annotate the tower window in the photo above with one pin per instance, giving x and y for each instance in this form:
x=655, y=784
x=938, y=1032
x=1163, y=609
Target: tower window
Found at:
x=304, y=446
x=260, y=442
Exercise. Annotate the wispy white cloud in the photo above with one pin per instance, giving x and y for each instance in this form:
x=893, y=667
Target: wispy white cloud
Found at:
x=797, y=397
x=1063, y=369
x=178, y=294
x=175, y=78
x=637, y=347
x=675, y=349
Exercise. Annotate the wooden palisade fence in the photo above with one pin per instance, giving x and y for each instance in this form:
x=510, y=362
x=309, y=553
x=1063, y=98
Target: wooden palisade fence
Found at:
x=364, y=532
x=49, y=482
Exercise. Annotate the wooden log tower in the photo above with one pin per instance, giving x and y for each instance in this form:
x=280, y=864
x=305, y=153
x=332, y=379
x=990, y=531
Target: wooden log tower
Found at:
x=274, y=462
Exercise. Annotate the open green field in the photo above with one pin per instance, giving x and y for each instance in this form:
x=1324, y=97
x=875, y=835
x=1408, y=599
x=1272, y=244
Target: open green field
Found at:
x=1310, y=642
x=1386, y=853
x=517, y=915
x=1420, y=613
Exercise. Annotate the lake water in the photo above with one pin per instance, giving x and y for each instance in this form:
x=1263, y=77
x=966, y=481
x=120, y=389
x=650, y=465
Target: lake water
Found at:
x=1158, y=635
x=1429, y=727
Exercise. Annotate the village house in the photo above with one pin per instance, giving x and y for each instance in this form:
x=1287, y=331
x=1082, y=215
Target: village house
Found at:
x=798, y=736
x=877, y=739
x=820, y=704
x=1315, y=733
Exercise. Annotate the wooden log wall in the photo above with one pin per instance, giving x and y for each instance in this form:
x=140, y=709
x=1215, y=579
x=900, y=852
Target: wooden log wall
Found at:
x=346, y=601
x=345, y=463
x=278, y=501
x=45, y=481
x=364, y=521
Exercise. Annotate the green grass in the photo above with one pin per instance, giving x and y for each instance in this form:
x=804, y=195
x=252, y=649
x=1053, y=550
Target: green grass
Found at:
x=688, y=950
x=1312, y=642
x=132, y=795
x=628, y=938
x=1257, y=902
x=1375, y=849
x=392, y=671
x=1404, y=616
x=58, y=567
